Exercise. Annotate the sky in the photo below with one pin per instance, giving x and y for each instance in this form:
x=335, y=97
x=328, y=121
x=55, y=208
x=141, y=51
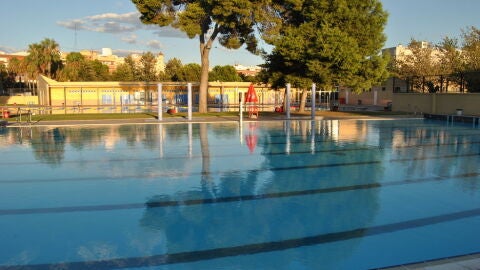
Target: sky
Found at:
x=95, y=24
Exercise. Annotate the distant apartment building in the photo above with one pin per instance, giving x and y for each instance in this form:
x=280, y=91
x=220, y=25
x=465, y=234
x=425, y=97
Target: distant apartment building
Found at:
x=5, y=57
x=400, y=52
x=112, y=61
x=247, y=70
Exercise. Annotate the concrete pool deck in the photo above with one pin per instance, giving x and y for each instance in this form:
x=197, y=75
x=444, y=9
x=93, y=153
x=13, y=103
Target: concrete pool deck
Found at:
x=466, y=262
x=211, y=119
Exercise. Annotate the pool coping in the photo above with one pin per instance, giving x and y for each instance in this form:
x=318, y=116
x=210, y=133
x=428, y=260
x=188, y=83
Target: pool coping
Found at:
x=461, y=262
x=209, y=119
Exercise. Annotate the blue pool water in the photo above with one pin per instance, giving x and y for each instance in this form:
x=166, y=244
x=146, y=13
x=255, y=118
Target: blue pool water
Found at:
x=340, y=194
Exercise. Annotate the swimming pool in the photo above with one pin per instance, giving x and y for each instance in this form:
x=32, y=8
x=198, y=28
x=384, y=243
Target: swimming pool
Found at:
x=339, y=194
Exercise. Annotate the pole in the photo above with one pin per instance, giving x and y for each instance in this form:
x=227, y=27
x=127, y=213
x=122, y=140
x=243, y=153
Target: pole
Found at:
x=312, y=134
x=314, y=109
x=190, y=141
x=160, y=102
x=160, y=139
x=189, y=101
x=241, y=116
x=287, y=103
x=241, y=107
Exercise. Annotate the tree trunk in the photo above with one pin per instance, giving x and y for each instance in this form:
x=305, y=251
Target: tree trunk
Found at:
x=303, y=101
x=203, y=92
x=206, y=179
x=205, y=46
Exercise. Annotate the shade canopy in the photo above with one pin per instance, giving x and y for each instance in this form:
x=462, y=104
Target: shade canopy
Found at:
x=251, y=94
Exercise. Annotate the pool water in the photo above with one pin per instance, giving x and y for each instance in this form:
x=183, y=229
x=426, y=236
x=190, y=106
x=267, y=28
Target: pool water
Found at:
x=340, y=194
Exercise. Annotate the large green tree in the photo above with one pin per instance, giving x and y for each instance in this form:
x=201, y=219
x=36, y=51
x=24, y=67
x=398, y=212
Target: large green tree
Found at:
x=127, y=71
x=330, y=43
x=191, y=72
x=471, y=48
x=450, y=57
x=224, y=74
x=173, y=70
x=147, y=70
x=78, y=68
x=233, y=22
x=471, y=54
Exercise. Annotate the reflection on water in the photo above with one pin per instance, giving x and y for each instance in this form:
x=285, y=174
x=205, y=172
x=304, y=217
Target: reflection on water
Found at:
x=183, y=188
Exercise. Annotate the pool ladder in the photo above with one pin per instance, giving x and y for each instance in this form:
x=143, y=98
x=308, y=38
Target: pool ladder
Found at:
x=27, y=114
x=475, y=120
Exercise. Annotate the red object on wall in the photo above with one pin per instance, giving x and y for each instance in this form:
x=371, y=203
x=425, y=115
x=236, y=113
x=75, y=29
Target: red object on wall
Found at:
x=251, y=94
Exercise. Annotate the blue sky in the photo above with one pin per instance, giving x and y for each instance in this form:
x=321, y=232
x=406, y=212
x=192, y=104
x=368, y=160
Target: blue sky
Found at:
x=115, y=24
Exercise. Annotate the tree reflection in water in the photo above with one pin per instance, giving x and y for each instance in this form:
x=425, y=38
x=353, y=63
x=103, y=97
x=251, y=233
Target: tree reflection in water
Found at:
x=225, y=224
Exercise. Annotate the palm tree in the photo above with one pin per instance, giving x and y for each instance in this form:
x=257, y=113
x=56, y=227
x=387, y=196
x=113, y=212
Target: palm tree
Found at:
x=44, y=56
x=51, y=54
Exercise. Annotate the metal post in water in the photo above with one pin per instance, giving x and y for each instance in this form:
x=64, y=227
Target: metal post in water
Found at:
x=313, y=98
x=190, y=141
x=160, y=102
x=312, y=134
x=241, y=107
x=160, y=139
x=288, y=144
x=287, y=103
x=189, y=101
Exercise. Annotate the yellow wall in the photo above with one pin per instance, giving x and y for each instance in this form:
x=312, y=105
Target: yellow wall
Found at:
x=20, y=100
x=384, y=93
x=366, y=98
x=53, y=93
x=438, y=103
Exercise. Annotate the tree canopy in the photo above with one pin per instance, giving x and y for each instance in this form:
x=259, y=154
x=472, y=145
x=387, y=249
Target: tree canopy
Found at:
x=426, y=65
x=44, y=56
x=330, y=43
x=78, y=68
x=234, y=22
x=224, y=74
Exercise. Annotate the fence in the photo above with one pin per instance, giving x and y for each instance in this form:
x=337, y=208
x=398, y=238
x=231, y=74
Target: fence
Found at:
x=130, y=97
x=452, y=83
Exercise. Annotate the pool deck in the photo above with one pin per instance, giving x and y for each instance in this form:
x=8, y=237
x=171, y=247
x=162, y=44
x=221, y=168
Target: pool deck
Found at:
x=209, y=119
x=466, y=262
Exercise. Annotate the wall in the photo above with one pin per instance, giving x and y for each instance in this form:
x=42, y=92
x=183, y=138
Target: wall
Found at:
x=412, y=102
x=70, y=94
x=438, y=103
x=365, y=98
x=384, y=93
x=19, y=100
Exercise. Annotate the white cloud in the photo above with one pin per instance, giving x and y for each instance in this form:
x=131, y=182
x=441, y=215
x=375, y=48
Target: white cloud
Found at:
x=154, y=44
x=132, y=39
x=123, y=53
x=169, y=31
x=7, y=49
x=106, y=23
x=126, y=26
x=119, y=23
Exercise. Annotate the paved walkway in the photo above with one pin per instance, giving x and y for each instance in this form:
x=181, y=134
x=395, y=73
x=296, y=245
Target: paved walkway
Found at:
x=467, y=262
x=206, y=119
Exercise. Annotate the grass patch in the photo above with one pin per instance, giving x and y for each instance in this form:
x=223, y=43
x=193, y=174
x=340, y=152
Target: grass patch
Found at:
x=119, y=116
x=84, y=116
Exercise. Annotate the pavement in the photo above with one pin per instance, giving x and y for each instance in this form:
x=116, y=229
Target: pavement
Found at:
x=327, y=115
x=466, y=262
